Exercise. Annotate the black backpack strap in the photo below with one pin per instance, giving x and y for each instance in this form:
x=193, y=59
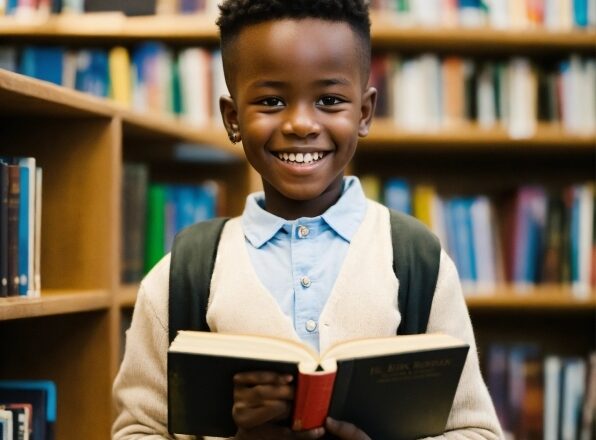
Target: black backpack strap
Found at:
x=416, y=258
x=191, y=267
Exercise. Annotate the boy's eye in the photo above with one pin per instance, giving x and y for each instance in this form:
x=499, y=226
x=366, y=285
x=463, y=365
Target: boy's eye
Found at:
x=272, y=102
x=329, y=100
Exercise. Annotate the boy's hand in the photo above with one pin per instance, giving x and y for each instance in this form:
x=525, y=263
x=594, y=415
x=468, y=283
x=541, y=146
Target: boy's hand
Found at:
x=261, y=399
x=344, y=430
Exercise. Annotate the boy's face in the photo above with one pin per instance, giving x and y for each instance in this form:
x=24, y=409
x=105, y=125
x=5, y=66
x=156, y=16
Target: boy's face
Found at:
x=299, y=102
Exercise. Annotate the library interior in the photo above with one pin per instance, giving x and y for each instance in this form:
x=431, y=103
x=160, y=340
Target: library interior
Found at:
x=111, y=141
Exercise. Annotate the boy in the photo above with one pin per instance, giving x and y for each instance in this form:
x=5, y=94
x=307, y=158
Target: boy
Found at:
x=310, y=259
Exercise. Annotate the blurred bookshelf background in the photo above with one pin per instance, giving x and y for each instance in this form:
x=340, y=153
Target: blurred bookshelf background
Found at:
x=485, y=130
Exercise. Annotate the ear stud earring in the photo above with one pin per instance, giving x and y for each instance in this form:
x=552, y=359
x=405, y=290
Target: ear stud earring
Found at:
x=234, y=137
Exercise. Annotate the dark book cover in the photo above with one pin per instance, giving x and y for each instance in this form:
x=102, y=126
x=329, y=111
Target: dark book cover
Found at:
x=3, y=229
x=134, y=208
x=13, y=203
x=386, y=396
x=128, y=7
x=200, y=391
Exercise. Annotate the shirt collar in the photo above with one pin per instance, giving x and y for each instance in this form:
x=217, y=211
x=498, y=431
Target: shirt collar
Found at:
x=344, y=217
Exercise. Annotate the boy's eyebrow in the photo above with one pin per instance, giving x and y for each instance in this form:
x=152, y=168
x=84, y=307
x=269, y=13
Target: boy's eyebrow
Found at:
x=320, y=82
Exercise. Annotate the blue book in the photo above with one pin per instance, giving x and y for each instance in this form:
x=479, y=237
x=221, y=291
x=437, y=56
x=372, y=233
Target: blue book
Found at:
x=43, y=62
x=171, y=212
x=205, y=202
x=463, y=240
x=42, y=395
x=92, y=74
x=185, y=206
x=574, y=234
x=580, y=13
x=11, y=7
x=397, y=195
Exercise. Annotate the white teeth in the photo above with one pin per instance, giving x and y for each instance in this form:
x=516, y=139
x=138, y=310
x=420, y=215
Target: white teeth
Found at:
x=301, y=157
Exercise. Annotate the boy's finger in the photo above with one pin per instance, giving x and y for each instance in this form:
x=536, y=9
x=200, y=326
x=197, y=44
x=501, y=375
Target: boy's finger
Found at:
x=262, y=378
x=247, y=417
x=344, y=430
x=256, y=395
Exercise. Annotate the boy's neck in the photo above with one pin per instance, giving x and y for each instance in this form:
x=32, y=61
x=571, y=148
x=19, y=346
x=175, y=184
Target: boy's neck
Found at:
x=281, y=206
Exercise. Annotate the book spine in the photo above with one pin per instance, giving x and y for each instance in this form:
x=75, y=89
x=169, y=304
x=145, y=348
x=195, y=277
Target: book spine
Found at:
x=313, y=397
x=23, y=229
x=14, y=192
x=3, y=229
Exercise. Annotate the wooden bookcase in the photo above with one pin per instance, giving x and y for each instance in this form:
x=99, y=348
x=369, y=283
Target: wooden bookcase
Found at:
x=72, y=334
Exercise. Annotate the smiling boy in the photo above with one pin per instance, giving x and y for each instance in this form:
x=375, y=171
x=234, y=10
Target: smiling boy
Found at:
x=310, y=259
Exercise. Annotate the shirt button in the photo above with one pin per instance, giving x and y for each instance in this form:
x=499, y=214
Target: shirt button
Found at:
x=305, y=281
x=311, y=325
x=303, y=231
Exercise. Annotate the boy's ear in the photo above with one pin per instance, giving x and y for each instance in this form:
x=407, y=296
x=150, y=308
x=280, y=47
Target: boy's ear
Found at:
x=229, y=114
x=369, y=102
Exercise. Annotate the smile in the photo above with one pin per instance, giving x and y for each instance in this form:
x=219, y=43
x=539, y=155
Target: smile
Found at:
x=300, y=157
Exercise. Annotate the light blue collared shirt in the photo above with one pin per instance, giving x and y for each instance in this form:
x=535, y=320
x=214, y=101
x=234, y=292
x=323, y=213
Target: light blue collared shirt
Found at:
x=298, y=260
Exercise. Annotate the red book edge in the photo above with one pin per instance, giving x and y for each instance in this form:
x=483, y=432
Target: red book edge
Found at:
x=313, y=397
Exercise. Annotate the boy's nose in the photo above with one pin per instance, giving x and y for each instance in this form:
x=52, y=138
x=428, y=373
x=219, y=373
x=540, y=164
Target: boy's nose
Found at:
x=301, y=122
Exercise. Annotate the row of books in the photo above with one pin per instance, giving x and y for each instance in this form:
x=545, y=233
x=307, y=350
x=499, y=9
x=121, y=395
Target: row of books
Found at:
x=152, y=214
x=27, y=409
x=499, y=14
x=536, y=396
x=20, y=226
x=421, y=93
x=151, y=77
x=429, y=92
x=39, y=9
x=530, y=236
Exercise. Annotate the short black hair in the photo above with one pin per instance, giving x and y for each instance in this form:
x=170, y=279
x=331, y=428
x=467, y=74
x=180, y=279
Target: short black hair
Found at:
x=235, y=15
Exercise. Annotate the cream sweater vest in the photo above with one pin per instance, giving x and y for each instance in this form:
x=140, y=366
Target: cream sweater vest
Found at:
x=363, y=303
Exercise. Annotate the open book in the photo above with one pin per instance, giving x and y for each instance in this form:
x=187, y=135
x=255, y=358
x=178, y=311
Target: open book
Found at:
x=397, y=387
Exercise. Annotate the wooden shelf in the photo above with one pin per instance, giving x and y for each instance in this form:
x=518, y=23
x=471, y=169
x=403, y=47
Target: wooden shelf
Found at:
x=540, y=298
x=127, y=295
x=385, y=136
x=54, y=302
x=202, y=29
x=385, y=33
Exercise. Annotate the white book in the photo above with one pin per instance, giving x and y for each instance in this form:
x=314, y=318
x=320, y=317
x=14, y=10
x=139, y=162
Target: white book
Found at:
x=522, y=108
x=195, y=83
x=498, y=14
x=411, y=103
x=588, y=97
x=69, y=69
x=486, y=101
x=431, y=76
x=482, y=237
x=165, y=101
x=591, y=13
x=218, y=83
x=572, y=93
x=552, y=14
x=574, y=372
x=552, y=371
x=6, y=424
x=427, y=13
x=566, y=15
